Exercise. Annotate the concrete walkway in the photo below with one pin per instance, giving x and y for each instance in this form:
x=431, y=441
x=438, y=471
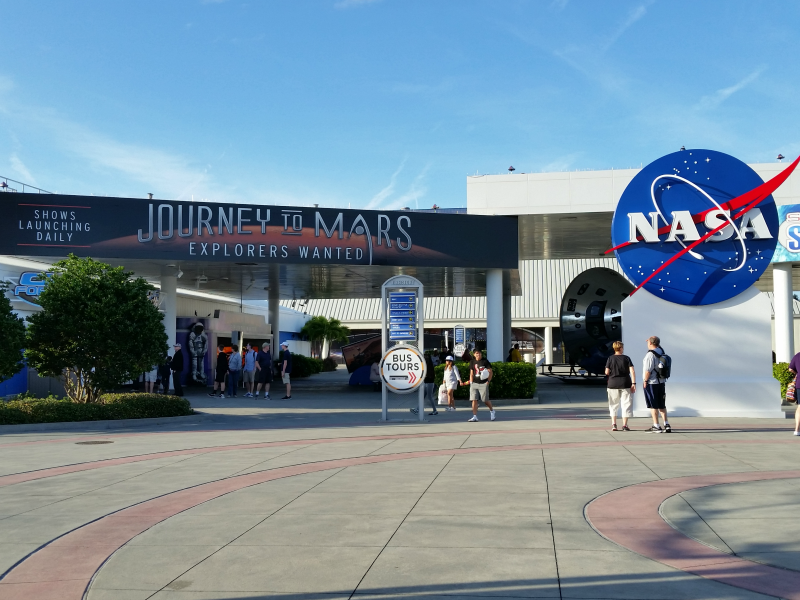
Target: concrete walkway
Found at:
x=312, y=498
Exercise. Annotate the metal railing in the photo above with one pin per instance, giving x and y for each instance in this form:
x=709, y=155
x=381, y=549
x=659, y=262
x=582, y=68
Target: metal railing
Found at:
x=7, y=185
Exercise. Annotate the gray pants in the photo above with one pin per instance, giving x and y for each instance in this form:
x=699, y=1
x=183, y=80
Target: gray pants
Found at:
x=429, y=393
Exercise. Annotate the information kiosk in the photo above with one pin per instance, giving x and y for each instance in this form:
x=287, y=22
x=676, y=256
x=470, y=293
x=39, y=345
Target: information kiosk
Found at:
x=402, y=342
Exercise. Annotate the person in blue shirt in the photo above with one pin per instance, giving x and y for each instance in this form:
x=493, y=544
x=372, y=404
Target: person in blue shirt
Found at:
x=249, y=370
x=264, y=370
x=286, y=369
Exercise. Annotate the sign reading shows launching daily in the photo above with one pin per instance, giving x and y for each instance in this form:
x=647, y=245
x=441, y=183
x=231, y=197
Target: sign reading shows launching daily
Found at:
x=51, y=225
x=788, y=248
x=696, y=227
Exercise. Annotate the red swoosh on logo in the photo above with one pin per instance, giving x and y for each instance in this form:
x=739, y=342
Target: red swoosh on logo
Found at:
x=757, y=193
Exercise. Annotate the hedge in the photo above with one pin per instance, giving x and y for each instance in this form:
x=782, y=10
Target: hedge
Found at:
x=27, y=409
x=303, y=366
x=781, y=372
x=509, y=380
x=329, y=364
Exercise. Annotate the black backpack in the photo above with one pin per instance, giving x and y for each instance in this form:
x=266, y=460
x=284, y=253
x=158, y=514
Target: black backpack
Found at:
x=663, y=364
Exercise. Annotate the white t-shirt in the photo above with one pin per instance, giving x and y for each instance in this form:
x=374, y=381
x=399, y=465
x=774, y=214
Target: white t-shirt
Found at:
x=452, y=377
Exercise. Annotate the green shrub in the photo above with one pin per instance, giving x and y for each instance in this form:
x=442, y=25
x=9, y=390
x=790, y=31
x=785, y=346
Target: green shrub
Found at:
x=781, y=372
x=509, y=380
x=329, y=364
x=303, y=366
x=27, y=409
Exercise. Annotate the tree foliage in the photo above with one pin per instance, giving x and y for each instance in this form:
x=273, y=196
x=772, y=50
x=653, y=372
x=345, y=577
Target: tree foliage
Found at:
x=320, y=328
x=97, y=328
x=12, y=338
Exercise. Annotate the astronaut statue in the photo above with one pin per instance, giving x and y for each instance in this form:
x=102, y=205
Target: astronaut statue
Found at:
x=198, y=346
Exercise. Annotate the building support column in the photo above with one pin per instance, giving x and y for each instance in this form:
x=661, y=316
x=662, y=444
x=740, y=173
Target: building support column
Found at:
x=506, y=323
x=548, y=345
x=169, y=306
x=494, y=315
x=784, y=314
x=274, y=308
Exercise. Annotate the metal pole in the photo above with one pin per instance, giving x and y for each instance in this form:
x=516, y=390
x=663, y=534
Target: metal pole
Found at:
x=421, y=346
x=384, y=347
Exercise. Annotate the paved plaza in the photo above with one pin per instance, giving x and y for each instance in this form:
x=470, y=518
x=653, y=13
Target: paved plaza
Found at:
x=313, y=498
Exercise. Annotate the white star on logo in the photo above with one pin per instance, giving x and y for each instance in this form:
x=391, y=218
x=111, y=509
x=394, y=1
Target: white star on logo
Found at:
x=752, y=270
x=708, y=160
x=758, y=251
x=662, y=289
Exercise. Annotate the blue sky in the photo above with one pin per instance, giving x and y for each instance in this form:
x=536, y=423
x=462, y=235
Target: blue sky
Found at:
x=382, y=103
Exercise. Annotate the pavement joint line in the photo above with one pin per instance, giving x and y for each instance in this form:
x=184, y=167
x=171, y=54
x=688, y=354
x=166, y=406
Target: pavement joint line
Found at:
x=699, y=516
x=261, y=462
x=335, y=471
x=552, y=528
x=663, y=543
x=26, y=476
x=85, y=559
x=394, y=533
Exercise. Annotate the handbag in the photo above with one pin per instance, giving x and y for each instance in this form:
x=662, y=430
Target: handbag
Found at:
x=443, y=399
x=791, y=391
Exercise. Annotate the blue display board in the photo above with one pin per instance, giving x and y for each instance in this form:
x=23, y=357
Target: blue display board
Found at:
x=402, y=316
x=788, y=248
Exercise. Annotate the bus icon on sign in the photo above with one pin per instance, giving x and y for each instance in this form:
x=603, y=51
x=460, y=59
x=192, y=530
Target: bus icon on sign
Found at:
x=30, y=286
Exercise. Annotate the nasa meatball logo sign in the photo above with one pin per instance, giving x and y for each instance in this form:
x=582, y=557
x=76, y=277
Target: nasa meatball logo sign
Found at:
x=403, y=369
x=696, y=227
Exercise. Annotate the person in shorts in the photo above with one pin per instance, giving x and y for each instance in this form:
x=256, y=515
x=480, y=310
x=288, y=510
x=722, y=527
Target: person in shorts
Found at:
x=264, y=370
x=150, y=378
x=249, y=371
x=480, y=375
x=655, y=393
x=221, y=373
x=286, y=370
x=621, y=386
x=452, y=380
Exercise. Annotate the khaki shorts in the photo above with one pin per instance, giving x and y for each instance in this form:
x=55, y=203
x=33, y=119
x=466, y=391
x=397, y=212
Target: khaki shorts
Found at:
x=248, y=376
x=151, y=376
x=286, y=378
x=479, y=391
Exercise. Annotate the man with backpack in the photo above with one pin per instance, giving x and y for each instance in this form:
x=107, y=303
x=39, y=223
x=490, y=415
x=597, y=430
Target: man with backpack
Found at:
x=657, y=367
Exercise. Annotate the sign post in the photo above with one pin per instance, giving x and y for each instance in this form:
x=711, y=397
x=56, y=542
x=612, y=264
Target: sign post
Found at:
x=402, y=340
x=459, y=341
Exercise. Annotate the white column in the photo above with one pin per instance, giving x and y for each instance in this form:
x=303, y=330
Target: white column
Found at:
x=169, y=305
x=506, y=323
x=494, y=315
x=548, y=345
x=784, y=317
x=274, y=309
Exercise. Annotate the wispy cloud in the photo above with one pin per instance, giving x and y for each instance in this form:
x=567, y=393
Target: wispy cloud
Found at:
x=634, y=15
x=380, y=197
x=712, y=101
x=353, y=3
x=386, y=199
x=562, y=163
x=19, y=167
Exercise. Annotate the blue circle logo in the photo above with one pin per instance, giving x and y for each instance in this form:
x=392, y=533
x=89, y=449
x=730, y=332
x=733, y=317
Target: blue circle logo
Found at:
x=696, y=227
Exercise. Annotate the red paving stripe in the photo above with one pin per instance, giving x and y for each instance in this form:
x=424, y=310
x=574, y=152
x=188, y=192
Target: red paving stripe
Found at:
x=63, y=569
x=766, y=428
x=652, y=537
x=16, y=478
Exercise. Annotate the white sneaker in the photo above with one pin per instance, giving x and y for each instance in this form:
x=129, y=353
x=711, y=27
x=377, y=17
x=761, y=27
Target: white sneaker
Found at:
x=256, y=395
x=491, y=415
x=474, y=418
x=797, y=432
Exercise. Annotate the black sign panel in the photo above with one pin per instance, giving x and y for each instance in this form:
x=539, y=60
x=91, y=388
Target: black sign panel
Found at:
x=55, y=225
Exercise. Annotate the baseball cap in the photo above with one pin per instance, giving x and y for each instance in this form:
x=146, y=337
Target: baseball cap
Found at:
x=450, y=358
x=176, y=346
x=285, y=344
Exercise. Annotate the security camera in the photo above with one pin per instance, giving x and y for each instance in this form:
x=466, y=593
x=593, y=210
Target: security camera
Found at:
x=179, y=274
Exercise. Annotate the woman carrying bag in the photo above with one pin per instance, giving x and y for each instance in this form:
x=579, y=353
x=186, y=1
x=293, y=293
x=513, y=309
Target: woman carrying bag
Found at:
x=452, y=380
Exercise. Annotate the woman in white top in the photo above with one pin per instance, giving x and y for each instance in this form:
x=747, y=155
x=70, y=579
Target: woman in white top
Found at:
x=452, y=380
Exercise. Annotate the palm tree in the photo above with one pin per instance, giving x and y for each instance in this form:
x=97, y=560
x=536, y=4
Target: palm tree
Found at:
x=328, y=330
